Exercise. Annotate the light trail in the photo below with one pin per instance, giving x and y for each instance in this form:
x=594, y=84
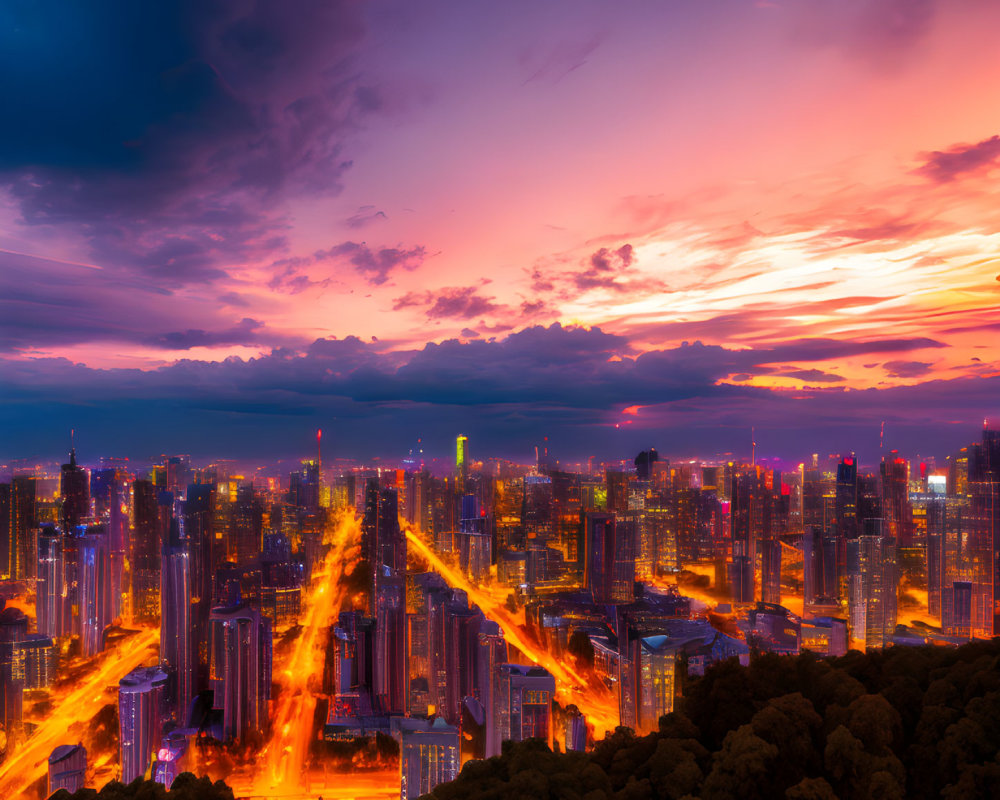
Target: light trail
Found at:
x=29, y=762
x=599, y=706
x=284, y=759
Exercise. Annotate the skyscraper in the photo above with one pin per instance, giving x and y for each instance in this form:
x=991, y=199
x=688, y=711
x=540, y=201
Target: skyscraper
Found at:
x=94, y=587
x=872, y=582
x=50, y=607
x=177, y=639
x=610, y=566
x=240, y=669
x=13, y=629
x=74, y=487
x=146, y=546
x=140, y=699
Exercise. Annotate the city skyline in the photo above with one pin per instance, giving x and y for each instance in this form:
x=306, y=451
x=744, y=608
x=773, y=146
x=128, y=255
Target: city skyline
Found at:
x=636, y=224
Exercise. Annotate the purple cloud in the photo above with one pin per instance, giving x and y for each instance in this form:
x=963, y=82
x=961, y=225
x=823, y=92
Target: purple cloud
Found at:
x=907, y=369
x=944, y=166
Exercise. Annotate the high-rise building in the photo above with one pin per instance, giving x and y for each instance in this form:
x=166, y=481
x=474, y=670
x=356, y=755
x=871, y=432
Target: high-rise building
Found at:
x=74, y=488
x=462, y=461
x=390, y=643
x=491, y=654
x=524, y=703
x=872, y=583
x=140, y=719
x=67, y=768
x=177, y=639
x=147, y=542
x=23, y=522
x=430, y=753
x=650, y=669
x=240, y=669
x=50, y=606
x=609, y=572
x=94, y=587
x=13, y=630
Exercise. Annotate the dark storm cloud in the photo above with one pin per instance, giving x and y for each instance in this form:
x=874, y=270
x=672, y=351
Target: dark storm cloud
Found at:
x=565, y=382
x=907, y=369
x=449, y=302
x=166, y=132
x=943, y=166
x=244, y=332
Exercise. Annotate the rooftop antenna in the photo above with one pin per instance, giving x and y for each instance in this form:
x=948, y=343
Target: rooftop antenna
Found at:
x=881, y=437
x=319, y=455
x=753, y=451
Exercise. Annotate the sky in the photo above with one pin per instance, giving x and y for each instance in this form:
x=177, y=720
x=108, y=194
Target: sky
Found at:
x=615, y=225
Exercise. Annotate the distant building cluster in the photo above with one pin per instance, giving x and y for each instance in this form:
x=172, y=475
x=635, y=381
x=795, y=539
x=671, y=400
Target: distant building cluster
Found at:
x=636, y=576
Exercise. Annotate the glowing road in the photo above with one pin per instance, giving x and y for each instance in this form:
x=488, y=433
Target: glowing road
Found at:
x=283, y=762
x=599, y=706
x=30, y=761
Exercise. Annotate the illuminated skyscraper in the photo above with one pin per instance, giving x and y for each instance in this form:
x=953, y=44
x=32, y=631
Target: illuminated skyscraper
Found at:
x=94, y=587
x=429, y=754
x=610, y=566
x=74, y=487
x=23, y=521
x=462, y=461
x=147, y=543
x=872, y=582
x=177, y=638
x=140, y=699
x=895, y=484
x=50, y=606
x=390, y=643
x=650, y=669
x=983, y=554
x=13, y=629
x=240, y=669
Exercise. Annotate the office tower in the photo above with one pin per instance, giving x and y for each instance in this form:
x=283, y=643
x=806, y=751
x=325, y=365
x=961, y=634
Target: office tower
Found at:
x=282, y=577
x=616, y=487
x=49, y=601
x=647, y=677
x=745, y=527
x=13, y=629
x=147, y=542
x=74, y=488
x=382, y=540
x=491, y=654
x=303, y=487
x=247, y=525
x=140, y=700
x=390, y=643
x=430, y=754
x=847, y=498
x=199, y=532
x=177, y=640
x=983, y=555
x=936, y=537
x=610, y=566
x=461, y=461
x=94, y=587
x=461, y=629
x=872, y=582
x=894, y=473
x=819, y=566
x=23, y=521
x=38, y=653
x=240, y=669
x=67, y=768
x=110, y=490
x=524, y=703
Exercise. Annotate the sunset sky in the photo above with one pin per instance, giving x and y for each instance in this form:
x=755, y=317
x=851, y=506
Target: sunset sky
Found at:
x=613, y=224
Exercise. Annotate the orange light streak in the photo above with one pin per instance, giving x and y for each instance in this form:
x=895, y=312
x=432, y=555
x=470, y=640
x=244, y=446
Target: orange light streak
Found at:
x=600, y=708
x=29, y=762
x=285, y=757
